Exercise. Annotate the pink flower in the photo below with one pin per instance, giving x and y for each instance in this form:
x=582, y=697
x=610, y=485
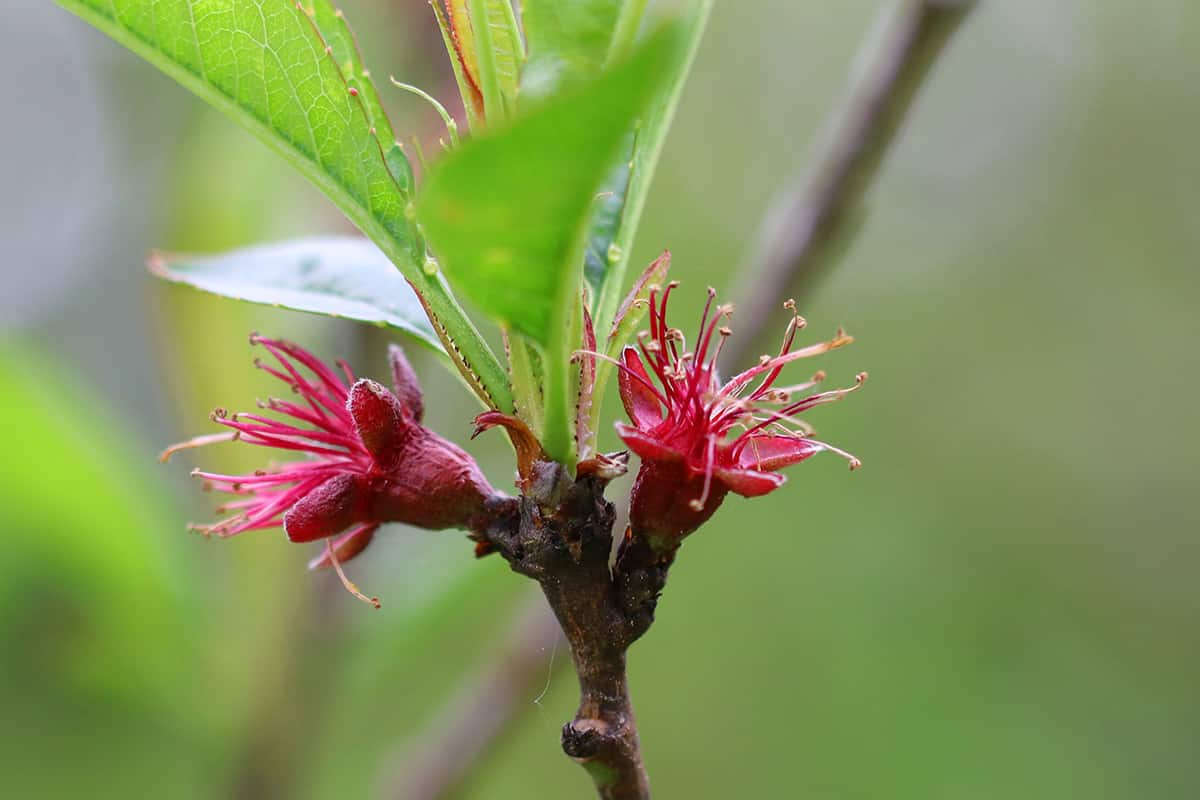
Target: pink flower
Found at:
x=370, y=460
x=700, y=437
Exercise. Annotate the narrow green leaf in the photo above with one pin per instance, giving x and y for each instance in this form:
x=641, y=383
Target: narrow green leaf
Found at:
x=605, y=225
x=507, y=213
x=651, y=134
x=459, y=42
x=504, y=210
x=527, y=377
x=500, y=57
x=567, y=41
x=629, y=21
x=487, y=60
x=266, y=65
x=339, y=276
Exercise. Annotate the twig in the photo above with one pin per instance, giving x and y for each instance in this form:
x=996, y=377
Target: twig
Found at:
x=808, y=224
x=793, y=243
x=562, y=538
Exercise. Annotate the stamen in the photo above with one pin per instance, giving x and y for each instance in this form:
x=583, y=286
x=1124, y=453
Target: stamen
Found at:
x=709, y=456
x=346, y=582
x=652, y=299
x=782, y=394
x=712, y=295
x=800, y=406
x=826, y=397
x=855, y=462
x=621, y=366
x=346, y=371
x=768, y=364
x=662, y=309
x=198, y=441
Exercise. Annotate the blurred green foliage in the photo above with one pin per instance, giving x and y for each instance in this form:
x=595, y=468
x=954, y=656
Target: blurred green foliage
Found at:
x=1001, y=604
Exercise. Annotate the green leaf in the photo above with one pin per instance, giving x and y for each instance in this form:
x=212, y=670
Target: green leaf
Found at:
x=498, y=54
x=339, y=276
x=335, y=29
x=651, y=134
x=265, y=64
x=567, y=41
x=505, y=210
x=459, y=41
x=605, y=225
x=507, y=213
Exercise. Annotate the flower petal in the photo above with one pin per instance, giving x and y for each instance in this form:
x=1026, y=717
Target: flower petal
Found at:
x=749, y=482
x=776, y=452
x=529, y=449
x=330, y=508
x=379, y=419
x=637, y=392
x=404, y=381
x=647, y=447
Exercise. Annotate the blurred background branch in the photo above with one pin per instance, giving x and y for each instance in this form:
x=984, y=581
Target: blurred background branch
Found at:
x=443, y=756
x=793, y=245
x=815, y=216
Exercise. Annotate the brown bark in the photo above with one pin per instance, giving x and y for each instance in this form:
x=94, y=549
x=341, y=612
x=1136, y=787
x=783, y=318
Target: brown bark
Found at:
x=563, y=538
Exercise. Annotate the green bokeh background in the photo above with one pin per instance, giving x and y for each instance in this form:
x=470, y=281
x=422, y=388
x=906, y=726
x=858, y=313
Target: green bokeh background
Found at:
x=1002, y=604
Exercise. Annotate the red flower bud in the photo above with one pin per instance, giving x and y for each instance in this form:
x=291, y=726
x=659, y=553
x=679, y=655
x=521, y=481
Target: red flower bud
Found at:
x=370, y=461
x=700, y=438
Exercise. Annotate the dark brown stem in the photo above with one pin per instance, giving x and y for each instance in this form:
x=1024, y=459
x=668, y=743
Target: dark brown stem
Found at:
x=562, y=538
x=803, y=226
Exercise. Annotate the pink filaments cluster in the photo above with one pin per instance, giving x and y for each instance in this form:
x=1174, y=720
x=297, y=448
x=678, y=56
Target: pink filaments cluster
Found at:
x=700, y=437
x=369, y=461
x=324, y=430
